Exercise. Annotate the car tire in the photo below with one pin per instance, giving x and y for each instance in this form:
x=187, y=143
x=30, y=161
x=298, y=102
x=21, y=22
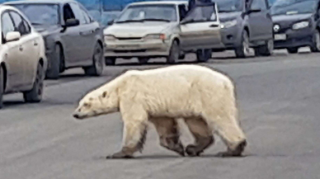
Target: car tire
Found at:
x=97, y=59
x=203, y=55
x=35, y=94
x=243, y=50
x=143, y=60
x=174, y=53
x=1, y=86
x=292, y=50
x=56, y=64
x=316, y=42
x=110, y=61
x=265, y=50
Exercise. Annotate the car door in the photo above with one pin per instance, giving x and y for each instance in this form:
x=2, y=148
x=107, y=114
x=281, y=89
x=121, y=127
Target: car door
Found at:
x=14, y=55
x=259, y=20
x=29, y=43
x=201, y=28
x=89, y=31
x=70, y=38
x=86, y=35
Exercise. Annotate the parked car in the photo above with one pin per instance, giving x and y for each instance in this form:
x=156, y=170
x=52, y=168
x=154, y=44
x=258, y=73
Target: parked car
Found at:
x=72, y=37
x=246, y=24
x=296, y=24
x=22, y=56
x=162, y=29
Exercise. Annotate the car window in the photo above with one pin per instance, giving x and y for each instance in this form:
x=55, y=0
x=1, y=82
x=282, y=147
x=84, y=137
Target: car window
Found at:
x=6, y=25
x=259, y=4
x=85, y=14
x=20, y=24
x=182, y=11
x=78, y=13
x=67, y=13
x=202, y=14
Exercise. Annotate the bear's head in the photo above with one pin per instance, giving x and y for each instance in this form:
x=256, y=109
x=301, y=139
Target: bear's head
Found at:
x=97, y=103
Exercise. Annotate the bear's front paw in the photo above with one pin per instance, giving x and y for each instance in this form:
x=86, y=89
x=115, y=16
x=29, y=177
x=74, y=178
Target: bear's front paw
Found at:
x=192, y=151
x=119, y=155
x=228, y=154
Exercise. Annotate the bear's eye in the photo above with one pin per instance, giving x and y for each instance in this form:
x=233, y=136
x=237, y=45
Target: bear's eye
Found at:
x=104, y=94
x=86, y=105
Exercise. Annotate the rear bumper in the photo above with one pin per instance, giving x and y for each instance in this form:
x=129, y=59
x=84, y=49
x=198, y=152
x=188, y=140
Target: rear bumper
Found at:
x=151, y=48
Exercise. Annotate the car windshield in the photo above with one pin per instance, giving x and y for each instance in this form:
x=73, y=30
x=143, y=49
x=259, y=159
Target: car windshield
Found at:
x=139, y=13
x=289, y=7
x=229, y=5
x=40, y=14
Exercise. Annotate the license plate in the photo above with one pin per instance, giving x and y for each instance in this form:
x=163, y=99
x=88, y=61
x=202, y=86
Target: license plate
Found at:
x=280, y=37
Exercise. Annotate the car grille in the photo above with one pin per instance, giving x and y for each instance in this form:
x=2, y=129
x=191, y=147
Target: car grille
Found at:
x=129, y=51
x=129, y=38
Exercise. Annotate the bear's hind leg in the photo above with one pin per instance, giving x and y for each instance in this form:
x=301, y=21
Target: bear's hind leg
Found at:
x=203, y=136
x=232, y=135
x=168, y=132
x=134, y=136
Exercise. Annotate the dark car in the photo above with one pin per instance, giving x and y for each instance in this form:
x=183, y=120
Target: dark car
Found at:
x=72, y=37
x=246, y=24
x=296, y=24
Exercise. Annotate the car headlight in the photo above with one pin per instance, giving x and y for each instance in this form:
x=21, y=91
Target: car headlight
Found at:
x=228, y=24
x=300, y=25
x=109, y=38
x=155, y=36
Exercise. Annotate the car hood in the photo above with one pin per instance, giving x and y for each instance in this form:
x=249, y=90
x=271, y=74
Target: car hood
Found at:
x=47, y=30
x=226, y=16
x=137, y=29
x=290, y=18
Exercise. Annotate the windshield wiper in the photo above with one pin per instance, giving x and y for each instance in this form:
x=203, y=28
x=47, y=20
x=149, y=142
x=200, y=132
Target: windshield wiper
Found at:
x=35, y=23
x=142, y=20
x=222, y=11
x=154, y=19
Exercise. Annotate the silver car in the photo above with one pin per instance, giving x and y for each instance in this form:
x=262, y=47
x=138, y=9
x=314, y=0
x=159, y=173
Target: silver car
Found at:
x=163, y=29
x=22, y=56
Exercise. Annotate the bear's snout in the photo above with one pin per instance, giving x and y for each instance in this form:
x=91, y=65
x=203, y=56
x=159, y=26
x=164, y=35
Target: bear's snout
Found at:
x=78, y=116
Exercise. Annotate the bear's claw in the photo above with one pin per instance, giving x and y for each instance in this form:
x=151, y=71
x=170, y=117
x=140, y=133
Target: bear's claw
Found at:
x=119, y=155
x=191, y=151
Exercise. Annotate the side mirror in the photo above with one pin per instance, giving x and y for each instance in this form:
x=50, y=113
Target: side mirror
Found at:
x=253, y=11
x=72, y=23
x=110, y=22
x=13, y=36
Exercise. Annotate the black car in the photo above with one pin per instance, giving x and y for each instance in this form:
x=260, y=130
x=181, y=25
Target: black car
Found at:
x=72, y=37
x=296, y=24
x=246, y=24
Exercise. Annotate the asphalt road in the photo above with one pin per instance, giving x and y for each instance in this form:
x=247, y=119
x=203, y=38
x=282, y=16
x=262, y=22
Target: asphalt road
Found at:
x=279, y=101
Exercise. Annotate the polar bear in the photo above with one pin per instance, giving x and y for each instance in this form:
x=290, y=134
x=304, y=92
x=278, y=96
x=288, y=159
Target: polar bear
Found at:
x=204, y=98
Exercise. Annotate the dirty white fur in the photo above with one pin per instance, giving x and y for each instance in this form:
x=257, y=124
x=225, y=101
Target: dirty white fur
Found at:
x=182, y=91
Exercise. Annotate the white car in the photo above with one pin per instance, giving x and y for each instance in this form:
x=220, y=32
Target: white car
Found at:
x=22, y=56
x=163, y=29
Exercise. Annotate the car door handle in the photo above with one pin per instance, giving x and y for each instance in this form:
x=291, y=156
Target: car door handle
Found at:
x=214, y=25
x=21, y=48
x=35, y=44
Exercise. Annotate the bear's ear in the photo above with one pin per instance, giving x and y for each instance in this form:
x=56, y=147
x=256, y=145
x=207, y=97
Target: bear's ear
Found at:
x=104, y=94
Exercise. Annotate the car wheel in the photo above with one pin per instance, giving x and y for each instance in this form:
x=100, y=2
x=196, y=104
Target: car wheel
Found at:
x=143, y=60
x=174, y=53
x=56, y=64
x=35, y=94
x=1, y=86
x=316, y=42
x=265, y=50
x=110, y=61
x=243, y=50
x=203, y=55
x=293, y=50
x=97, y=67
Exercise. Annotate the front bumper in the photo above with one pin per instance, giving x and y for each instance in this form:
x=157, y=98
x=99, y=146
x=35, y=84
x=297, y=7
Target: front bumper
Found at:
x=137, y=48
x=294, y=38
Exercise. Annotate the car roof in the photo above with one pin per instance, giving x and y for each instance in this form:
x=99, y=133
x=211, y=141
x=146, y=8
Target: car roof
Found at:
x=159, y=2
x=40, y=2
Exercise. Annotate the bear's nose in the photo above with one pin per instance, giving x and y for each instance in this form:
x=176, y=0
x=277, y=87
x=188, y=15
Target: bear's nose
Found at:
x=76, y=115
